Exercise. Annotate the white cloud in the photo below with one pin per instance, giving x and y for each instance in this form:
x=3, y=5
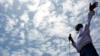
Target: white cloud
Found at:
x=22, y=25
x=24, y=17
x=34, y=51
x=32, y=7
x=23, y=1
x=10, y=23
x=2, y=38
x=41, y=14
x=4, y=52
x=10, y=2
x=15, y=32
x=58, y=27
x=67, y=6
x=20, y=52
x=93, y=31
x=22, y=35
x=2, y=1
x=35, y=35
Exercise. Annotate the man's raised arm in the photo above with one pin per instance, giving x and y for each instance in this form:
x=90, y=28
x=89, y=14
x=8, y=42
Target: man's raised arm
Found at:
x=90, y=15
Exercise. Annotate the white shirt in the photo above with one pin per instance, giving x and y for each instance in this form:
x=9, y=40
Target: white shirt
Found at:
x=84, y=34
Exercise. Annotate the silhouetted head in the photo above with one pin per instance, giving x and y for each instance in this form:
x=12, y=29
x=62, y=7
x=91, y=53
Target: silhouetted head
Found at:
x=78, y=26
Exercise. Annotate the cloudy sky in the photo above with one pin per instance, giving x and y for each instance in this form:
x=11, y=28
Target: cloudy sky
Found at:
x=41, y=27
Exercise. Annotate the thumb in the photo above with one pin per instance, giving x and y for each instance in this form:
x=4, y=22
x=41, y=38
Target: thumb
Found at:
x=90, y=7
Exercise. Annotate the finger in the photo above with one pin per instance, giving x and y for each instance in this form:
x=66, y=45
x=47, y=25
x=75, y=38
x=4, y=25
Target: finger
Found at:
x=96, y=4
x=90, y=7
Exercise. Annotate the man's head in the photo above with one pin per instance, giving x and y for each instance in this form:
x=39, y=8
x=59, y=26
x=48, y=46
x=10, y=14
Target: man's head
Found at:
x=78, y=26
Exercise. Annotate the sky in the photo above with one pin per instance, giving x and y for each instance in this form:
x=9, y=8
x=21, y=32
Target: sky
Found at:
x=41, y=27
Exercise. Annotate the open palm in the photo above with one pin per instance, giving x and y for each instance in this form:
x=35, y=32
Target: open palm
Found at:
x=93, y=6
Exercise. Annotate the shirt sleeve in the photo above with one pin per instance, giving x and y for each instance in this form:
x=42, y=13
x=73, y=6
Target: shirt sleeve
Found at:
x=87, y=24
x=74, y=45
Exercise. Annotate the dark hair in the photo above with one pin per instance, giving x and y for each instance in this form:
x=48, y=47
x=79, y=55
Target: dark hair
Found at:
x=78, y=26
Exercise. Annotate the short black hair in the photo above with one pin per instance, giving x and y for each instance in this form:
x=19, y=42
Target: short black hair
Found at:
x=78, y=26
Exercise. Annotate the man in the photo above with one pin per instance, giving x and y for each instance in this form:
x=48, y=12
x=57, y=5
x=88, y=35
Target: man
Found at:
x=84, y=43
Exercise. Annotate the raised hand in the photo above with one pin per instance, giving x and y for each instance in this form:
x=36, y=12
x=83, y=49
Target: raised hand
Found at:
x=93, y=6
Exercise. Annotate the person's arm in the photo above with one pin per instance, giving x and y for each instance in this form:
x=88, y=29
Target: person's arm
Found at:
x=87, y=24
x=90, y=15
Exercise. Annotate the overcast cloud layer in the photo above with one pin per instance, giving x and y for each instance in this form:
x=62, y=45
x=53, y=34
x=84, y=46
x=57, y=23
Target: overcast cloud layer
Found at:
x=41, y=27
